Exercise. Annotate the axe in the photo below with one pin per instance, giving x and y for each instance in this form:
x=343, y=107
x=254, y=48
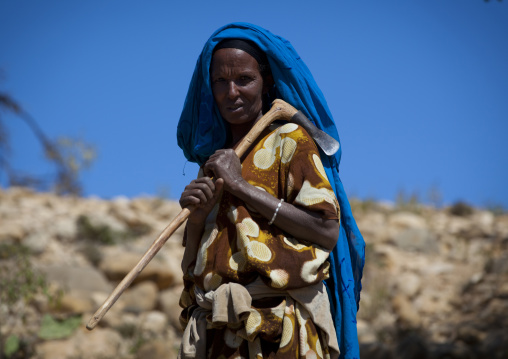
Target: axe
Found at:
x=280, y=110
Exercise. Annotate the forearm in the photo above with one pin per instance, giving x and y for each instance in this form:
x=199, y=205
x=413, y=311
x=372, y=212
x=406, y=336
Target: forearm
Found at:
x=296, y=221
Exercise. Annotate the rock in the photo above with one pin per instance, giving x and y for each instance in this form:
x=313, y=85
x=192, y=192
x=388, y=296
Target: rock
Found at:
x=375, y=351
x=495, y=345
x=153, y=323
x=385, y=323
x=498, y=265
x=157, y=349
x=501, y=226
x=76, y=301
x=458, y=225
x=116, y=263
x=139, y=298
x=36, y=242
x=65, y=228
x=408, y=284
x=122, y=210
x=405, y=311
x=483, y=223
x=412, y=346
x=62, y=349
x=372, y=223
x=99, y=343
x=469, y=334
x=366, y=333
x=407, y=220
x=451, y=350
x=86, y=279
x=105, y=220
x=11, y=231
x=167, y=210
x=168, y=301
x=127, y=324
x=417, y=240
x=444, y=275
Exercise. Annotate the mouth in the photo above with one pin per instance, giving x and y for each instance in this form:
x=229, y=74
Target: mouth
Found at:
x=235, y=108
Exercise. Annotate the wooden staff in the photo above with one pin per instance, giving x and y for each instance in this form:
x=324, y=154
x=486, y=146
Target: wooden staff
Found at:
x=280, y=111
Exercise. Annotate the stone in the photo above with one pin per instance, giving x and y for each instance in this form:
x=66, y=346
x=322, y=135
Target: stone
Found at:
x=495, y=345
x=412, y=346
x=36, y=242
x=11, y=231
x=139, y=298
x=429, y=272
x=417, y=240
x=469, y=334
x=407, y=220
x=455, y=350
x=365, y=331
x=405, y=311
x=372, y=223
x=458, y=225
x=169, y=303
x=157, y=349
x=127, y=324
x=122, y=210
x=87, y=279
x=168, y=210
x=484, y=222
x=501, y=226
x=375, y=351
x=408, y=284
x=153, y=323
x=76, y=301
x=99, y=343
x=65, y=228
x=62, y=349
x=98, y=220
x=116, y=263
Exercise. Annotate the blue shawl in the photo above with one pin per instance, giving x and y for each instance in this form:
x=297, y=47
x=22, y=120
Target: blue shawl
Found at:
x=201, y=132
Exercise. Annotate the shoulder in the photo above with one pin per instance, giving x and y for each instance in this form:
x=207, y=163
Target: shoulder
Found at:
x=289, y=129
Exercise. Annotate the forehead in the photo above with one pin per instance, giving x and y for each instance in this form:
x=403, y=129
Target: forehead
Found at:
x=233, y=59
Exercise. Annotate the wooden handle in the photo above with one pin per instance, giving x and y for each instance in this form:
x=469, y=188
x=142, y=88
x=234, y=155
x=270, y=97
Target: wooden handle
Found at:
x=279, y=110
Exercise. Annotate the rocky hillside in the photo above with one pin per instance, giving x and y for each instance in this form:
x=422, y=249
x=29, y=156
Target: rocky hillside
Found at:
x=435, y=284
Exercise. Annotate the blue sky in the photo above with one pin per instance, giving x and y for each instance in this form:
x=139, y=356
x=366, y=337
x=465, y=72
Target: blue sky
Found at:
x=418, y=89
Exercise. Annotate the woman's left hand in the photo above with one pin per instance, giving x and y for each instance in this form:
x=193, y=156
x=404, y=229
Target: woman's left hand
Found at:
x=225, y=164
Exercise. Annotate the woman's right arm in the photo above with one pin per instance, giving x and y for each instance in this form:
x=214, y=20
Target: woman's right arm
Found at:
x=199, y=196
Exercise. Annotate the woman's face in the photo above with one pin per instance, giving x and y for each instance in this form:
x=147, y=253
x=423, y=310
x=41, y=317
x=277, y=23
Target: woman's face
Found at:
x=237, y=86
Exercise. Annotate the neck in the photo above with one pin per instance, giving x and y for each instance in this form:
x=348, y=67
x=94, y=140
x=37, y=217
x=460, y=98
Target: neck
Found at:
x=239, y=131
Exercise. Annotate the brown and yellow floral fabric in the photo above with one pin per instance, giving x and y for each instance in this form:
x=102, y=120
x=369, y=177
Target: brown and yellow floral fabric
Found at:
x=239, y=246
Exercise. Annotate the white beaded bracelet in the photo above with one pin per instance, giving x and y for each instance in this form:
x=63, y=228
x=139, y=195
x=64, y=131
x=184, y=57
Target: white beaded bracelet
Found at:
x=276, y=211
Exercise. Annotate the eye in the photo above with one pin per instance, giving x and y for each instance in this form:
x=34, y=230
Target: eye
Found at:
x=218, y=81
x=245, y=79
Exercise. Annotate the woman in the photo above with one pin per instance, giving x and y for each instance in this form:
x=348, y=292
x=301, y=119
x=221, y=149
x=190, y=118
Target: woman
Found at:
x=259, y=239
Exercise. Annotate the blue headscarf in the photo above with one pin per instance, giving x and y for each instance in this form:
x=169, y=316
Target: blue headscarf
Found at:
x=201, y=131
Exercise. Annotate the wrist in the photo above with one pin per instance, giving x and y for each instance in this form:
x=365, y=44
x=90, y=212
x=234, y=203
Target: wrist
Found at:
x=238, y=186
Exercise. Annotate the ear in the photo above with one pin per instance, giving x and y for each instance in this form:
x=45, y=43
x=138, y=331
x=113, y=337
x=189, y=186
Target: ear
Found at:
x=267, y=83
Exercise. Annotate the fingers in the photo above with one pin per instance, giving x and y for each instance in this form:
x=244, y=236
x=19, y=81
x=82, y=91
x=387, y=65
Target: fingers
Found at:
x=219, y=185
x=198, y=192
x=223, y=164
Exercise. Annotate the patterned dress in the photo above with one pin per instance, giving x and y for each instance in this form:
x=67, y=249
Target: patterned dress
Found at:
x=239, y=246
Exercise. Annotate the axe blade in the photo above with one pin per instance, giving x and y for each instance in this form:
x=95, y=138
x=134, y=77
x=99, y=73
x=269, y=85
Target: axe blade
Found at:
x=327, y=143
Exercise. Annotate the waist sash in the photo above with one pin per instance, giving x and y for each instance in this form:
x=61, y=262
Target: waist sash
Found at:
x=230, y=304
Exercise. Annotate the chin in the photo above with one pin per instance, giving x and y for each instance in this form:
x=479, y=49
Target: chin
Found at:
x=238, y=120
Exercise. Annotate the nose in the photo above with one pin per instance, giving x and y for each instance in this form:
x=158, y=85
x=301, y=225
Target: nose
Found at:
x=232, y=90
